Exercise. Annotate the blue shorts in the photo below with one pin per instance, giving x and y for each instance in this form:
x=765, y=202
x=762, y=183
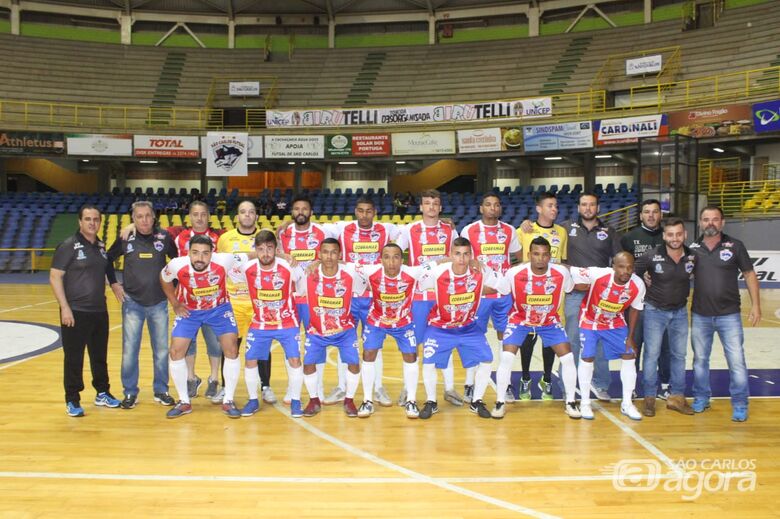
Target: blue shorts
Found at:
x=374, y=337
x=420, y=312
x=496, y=308
x=258, y=343
x=551, y=335
x=360, y=307
x=470, y=341
x=303, y=314
x=345, y=341
x=613, y=342
x=220, y=319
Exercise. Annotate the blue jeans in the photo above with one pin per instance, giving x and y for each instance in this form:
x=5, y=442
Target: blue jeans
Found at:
x=662, y=363
x=729, y=328
x=571, y=310
x=656, y=323
x=133, y=316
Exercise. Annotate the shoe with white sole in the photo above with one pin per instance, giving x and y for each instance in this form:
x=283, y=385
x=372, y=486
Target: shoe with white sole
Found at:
x=631, y=411
x=268, y=395
x=366, y=409
x=412, y=411
x=336, y=396
x=498, y=411
x=572, y=409
x=382, y=397
x=586, y=411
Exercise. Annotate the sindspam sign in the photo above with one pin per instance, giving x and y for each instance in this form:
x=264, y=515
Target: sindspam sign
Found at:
x=628, y=130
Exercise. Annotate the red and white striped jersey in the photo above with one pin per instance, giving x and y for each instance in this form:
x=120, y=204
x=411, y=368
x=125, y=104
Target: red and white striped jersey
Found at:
x=391, y=297
x=537, y=298
x=606, y=302
x=202, y=290
x=492, y=244
x=364, y=246
x=183, y=235
x=272, y=293
x=304, y=246
x=426, y=244
x=457, y=296
x=330, y=299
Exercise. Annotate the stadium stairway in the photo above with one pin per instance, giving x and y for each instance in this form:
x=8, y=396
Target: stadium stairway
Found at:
x=168, y=86
x=360, y=91
x=557, y=81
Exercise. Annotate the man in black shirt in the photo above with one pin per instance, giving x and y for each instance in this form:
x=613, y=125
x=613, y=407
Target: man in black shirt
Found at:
x=669, y=267
x=146, y=251
x=78, y=280
x=719, y=260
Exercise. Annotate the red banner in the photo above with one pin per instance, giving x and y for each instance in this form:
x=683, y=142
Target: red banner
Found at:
x=370, y=145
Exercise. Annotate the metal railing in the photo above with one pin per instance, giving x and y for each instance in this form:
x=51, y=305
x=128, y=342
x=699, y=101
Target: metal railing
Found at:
x=613, y=67
x=622, y=219
x=755, y=198
x=714, y=172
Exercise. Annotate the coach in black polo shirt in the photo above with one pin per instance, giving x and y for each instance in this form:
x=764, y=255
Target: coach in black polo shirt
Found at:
x=146, y=252
x=719, y=260
x=78, y=279
x=669, y=267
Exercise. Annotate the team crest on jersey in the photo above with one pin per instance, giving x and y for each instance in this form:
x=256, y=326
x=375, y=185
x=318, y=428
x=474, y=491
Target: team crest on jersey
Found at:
x=689, y=266
x=555, y=241
x=441, y=236
x=401, y=286
x=340, y=289
x=81, y=255
x=159, y=246
x=501, y=235
x=659, y=269
x=549, y=286
x=471, y=284
x=601, y=235
x=130, y=248
x=312, y=242
x=573, y=232
x=725, y=255
x=213, y=279
x=624, y=297
x=277, y=281
x=374, y=236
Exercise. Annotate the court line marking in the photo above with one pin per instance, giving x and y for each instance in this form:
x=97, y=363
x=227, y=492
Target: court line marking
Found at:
x=27, y=306
x=415, y=476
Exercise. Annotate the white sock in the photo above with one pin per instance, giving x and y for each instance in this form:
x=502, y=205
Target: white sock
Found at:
x=367, y=372
x=231, y=373
x=289, y=375
x=295, y=382
x=585, y=374
x=449, y=375
x=470, y=375
x=320, y=393
x=430, y=379
x=252, y=379
x=178, y=370
x=379, y=369
x=569, y=376
x=504, y=374
x=342, y=371
x=627, y=378
x=353, y=379
x=311, y=385
x=411, y=380
x=481, y=379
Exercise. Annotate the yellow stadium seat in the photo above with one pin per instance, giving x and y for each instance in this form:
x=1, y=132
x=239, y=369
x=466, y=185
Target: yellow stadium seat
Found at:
x=348, y=218
x=274, y=219
x=176, y=221
x=408, y=218
x=335, y=218
x=187, y=220
x=396, y=219
x=164, y=221
x=385, y=218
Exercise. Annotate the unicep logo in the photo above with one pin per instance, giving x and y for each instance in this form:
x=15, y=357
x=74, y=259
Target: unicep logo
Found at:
x=690, y=478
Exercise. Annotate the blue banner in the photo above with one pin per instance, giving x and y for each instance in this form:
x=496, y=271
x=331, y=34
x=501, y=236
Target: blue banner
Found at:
x=766, y=116
x=561, y=136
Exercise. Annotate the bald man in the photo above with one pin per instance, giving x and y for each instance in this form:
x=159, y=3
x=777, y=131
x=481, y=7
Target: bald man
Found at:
x=611, y=292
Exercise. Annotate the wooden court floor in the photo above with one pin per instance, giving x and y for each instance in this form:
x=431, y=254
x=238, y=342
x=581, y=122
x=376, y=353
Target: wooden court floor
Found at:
x=536, y=462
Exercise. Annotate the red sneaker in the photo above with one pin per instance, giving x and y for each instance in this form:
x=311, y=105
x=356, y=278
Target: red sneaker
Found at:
x=349, y=408
x=312, y=408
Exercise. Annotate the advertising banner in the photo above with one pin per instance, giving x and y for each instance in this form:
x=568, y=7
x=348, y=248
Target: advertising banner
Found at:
x=721, y=121
x=644, y=65
x=226, y=154
x=295, y=146
x=31, y=143
x=766, y=116
x=244, y=88
x=479, y=141
x=628, y=129
x=102, y=145
x=166, y=146
x=255, y=147
x=358, y=145
x=423, y=143
x=766, y=264
x=563, y=136
x=406, y=115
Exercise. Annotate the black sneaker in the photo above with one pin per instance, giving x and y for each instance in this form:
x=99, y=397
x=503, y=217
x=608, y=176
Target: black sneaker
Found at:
x=129, y=402
x=468, y=393
x=429, y=409
x=164, y=399
x=478, y=406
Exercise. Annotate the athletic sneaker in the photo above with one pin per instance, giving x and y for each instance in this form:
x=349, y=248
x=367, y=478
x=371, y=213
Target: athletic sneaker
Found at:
x=700, y=405
x=74, y=409
x=219, y=397
x=335, y=396
x=193, y=386
x=252, y=406
x=525, y=389
x=468, y=393
x=411, y=410
x=452, y=397
x=212, y=389
x=631, y=411
x=478, y=407
x=164, y=399
x=739, y=414
x=586, y=411
x=429, y=409
x=269, y=397
x=129, y=402
x=601, y=394
x=573, y=410
x=312, y=408
x=349, y=408
x=546, y=388
x=106, y=399
x=498, y=411
x=402, y=398
x=296, y=411
x=509, y=398
x=230, y=409
x=663, y=393
x=179, y=409
x=382, y=397
x=366, y=409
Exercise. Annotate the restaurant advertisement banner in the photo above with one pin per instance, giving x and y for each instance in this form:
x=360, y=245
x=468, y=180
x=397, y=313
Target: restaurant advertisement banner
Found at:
x=479, y=141
x=31, y=143
x=628, y=130
x=721, y=121
x=358, y=145
x=562, y=136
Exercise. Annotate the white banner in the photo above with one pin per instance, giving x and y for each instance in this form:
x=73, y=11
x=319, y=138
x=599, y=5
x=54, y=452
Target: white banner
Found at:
x=644, y=65
x=226, y=154
x=564, y=136
x=295, y=146
x=255, y=147
x=407, y=115
x=478, y=141
x=105, y=145
x=244, y=88
x=766, y=264
x=423, y=143
x=165, y=146
x=631, y=128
